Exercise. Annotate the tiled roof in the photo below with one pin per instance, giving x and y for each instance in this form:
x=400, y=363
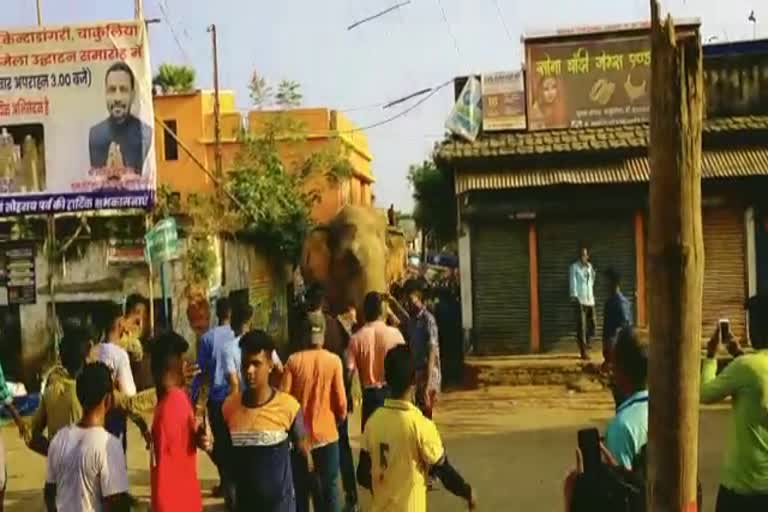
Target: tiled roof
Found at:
x=577, y=140
x=735, y=163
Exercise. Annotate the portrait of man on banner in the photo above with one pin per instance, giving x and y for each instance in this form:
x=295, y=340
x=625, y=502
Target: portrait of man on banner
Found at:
x=121, y=142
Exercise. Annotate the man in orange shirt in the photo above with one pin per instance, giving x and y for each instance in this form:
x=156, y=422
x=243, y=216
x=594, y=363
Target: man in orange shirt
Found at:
x=367, y=350
x=314, y=377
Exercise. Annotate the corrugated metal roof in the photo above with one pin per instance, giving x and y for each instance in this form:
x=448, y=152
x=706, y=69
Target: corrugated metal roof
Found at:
x=715, y=164
x=580, y=140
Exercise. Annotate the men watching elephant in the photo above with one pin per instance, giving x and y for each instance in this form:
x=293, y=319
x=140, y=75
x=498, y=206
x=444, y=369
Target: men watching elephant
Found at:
x=367, y=350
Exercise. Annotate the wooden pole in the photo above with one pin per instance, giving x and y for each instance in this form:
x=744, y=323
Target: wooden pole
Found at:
x=138, y=9
x=216, y=102
x=640, y=277
x=533, y=272
x=39, y=9
x=676, y=265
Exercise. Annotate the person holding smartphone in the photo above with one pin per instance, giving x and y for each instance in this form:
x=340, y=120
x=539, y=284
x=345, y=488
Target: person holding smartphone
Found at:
x=744, y=476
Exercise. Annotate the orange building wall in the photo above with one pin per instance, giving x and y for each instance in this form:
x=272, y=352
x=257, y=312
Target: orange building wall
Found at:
x=194, y=116
x=181, y=175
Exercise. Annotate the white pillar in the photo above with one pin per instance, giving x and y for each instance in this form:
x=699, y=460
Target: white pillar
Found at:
x=465, y=274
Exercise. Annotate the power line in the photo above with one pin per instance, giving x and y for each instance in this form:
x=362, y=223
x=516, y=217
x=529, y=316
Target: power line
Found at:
x=379, y=14
x=503, y=21
x=450, y=30
x=164, y=14
x=401, y=113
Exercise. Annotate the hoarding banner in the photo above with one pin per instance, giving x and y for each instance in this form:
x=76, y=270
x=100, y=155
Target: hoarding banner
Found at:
x=76, y=119
x=503, y=101
x=467, y=113
x=588, y=82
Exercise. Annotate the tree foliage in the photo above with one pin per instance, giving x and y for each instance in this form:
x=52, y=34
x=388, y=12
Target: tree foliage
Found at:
x=259, y=90
x=288, y=94
x=435, y=210
x=172, y=78
x=275, y=198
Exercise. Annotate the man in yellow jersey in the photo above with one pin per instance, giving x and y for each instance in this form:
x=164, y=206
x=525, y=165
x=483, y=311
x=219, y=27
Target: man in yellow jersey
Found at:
x=400, y=448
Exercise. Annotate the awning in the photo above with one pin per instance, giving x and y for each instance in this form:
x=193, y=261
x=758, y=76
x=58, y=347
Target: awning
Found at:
x=715, y=164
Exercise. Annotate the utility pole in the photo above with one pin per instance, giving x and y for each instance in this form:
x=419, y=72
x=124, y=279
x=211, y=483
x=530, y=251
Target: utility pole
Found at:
x=676, y=265
x=216, y=104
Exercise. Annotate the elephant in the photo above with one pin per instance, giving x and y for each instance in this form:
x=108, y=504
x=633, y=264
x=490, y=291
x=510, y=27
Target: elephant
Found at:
x=355, y=253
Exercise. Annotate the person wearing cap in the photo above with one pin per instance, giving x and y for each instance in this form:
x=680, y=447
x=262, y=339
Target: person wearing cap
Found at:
x=315, y=378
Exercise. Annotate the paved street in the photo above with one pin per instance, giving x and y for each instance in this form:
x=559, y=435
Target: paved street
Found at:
x=514, y=444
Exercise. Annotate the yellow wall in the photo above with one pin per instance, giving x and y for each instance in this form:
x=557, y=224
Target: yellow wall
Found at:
x=194, y=117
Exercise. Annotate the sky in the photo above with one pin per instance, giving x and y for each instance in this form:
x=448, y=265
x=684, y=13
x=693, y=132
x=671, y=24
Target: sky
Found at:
x=420, y=45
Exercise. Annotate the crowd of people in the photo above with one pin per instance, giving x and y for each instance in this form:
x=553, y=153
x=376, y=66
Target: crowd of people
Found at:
x=277, y=433
x=618, y=483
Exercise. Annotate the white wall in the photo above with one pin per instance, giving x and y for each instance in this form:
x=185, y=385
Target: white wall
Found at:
x=98, y=281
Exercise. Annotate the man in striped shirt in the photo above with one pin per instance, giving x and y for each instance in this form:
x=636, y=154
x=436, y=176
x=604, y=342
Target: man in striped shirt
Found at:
x=263, y=424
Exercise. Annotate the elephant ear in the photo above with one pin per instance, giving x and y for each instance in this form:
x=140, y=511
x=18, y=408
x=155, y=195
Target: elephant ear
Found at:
x=397, y=255
x=316, y=256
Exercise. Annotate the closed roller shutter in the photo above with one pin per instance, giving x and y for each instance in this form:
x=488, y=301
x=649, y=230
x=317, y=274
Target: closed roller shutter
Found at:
x=500, y=288
x=612, y=244
x=724, y=269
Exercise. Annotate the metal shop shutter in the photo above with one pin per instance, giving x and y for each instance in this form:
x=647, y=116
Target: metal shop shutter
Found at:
x=724, y=269
x=500, y=287
x=611, y=240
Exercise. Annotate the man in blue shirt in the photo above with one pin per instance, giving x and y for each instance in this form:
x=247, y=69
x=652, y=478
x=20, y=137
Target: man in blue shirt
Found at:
x=582, y=290
x=205, y=352
x=423, y=340
x=617, y=313
x=219, y=334
x=225, y=379
x=627, y=432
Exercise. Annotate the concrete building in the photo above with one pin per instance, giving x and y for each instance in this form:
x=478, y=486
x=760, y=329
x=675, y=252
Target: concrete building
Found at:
x=529, y=199
x=321, y=130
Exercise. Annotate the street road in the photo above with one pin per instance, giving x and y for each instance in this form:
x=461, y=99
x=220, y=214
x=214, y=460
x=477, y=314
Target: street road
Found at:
x=515, y=445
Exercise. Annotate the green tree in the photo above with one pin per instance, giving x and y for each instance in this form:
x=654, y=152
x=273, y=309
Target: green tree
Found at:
x=259, y=90
x=275, y=199
x=172, y=78
x=435, y=210
x=288, y=94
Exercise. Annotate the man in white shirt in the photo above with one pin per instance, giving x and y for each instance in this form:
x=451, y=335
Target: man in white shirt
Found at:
x=582, y=290
x=116, y=358
x=86, y=469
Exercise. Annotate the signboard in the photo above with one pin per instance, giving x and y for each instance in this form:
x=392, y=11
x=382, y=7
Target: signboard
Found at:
x=17, y=271
x=162, y=242
x=503, y=101
x=122, y=252
x=76, y=119
x=588, y=82
x=467, y=113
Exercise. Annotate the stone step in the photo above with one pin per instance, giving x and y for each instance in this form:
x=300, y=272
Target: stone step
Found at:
x=540, y=370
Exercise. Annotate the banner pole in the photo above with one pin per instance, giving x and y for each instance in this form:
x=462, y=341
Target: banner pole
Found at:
x=39, y=12
x=151, y=280
x=164, y=287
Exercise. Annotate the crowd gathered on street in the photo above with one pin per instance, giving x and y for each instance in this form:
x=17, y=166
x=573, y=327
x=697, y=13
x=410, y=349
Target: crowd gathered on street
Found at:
x=279, y=434
x=611, y=472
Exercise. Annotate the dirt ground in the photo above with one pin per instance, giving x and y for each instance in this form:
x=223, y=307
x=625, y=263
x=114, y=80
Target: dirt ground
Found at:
x=514, y=445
